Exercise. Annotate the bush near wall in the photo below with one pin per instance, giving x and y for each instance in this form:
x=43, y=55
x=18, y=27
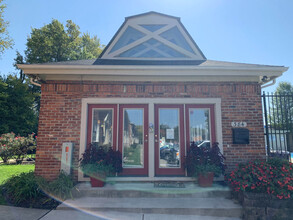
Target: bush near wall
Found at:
x=265, y=189
x=31, y=191
x=16, y=147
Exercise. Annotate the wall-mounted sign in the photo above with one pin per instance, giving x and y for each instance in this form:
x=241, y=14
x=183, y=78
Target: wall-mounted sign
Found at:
x=239, y=124
x=170, y=133
x=240, y=136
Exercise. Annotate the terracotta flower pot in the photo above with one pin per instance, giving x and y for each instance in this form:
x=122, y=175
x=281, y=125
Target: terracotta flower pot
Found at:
x=205, y=180
x=98, y=180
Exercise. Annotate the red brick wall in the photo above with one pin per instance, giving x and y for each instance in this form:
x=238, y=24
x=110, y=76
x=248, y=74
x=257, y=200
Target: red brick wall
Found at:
x=60, y=114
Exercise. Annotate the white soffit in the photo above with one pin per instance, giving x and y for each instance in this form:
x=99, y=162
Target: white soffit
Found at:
x=152, y=36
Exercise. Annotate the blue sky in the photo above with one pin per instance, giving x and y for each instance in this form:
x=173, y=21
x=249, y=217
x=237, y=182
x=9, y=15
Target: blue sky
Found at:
x=247, y=31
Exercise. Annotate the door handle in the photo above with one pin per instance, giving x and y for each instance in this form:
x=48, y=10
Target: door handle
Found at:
x=146, y=140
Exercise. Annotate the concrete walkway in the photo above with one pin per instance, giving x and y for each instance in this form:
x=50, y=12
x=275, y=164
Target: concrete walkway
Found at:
x=17, y=213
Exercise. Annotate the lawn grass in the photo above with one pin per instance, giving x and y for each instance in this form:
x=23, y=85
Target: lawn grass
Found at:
x=10, y=170
x=7, y=171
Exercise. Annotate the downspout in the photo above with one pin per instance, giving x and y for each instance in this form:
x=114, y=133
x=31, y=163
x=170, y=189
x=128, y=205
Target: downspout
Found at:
x=32, y=80
x=270, y=84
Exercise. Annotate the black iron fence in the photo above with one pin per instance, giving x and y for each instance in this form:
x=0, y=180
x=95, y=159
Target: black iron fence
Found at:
x=278, y=119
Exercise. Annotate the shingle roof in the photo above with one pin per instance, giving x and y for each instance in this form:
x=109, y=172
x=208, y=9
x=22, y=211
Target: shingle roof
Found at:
x=202, y=63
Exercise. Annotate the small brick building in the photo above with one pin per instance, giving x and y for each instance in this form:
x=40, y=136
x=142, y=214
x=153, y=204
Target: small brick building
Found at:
x=149, y=94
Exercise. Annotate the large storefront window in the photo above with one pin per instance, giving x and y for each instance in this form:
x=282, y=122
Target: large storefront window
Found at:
x=102, y=127
x=199, y=127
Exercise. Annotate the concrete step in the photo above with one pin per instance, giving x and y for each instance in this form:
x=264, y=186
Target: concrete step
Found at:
x=96, y=215
x=216, y=207
x=147, y=190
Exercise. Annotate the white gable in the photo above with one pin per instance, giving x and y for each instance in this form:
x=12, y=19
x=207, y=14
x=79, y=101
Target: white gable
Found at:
x=152, y=36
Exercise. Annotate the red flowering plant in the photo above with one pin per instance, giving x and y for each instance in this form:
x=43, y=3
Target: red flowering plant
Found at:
x=274, y=177
x=6, y=143
x=16, y=147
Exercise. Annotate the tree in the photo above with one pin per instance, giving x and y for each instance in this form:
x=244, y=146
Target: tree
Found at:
x=19, y=60
x=5, y=41
x=17, y=112
x=284, y=88
x=53, y=43
x=281, y=109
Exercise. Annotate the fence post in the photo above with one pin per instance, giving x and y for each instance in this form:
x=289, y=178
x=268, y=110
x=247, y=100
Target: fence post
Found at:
x=266, y=124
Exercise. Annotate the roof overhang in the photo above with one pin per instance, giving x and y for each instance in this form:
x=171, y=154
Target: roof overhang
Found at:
x=153, y=73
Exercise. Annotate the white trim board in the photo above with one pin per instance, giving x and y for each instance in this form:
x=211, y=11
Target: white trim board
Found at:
x=151, y=103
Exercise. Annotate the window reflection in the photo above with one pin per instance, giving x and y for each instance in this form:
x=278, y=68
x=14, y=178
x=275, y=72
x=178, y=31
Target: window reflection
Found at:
x=133, y=147
x=169, y=138
x=199, y=127
x=102, y=127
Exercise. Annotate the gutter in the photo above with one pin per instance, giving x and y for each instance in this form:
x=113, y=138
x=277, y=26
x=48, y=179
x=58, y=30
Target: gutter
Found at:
x=33, y=81
x=270, y=84
x=148, y=67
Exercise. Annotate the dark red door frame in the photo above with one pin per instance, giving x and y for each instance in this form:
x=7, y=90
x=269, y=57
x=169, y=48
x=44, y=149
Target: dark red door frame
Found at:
x=169, y=171
x=158, y=171
x=135, y=171
x=211, y=107
x=90, y=121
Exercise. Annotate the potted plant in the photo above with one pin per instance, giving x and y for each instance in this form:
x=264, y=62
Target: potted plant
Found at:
x=98, y=162
x=205, y=174
x=204, y=163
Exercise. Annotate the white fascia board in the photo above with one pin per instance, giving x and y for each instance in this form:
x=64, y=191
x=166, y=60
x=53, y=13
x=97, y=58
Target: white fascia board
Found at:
x=131, y=70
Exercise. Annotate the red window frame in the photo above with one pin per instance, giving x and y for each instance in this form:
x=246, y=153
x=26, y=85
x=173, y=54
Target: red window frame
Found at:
x=211, y=107
x=90, y=121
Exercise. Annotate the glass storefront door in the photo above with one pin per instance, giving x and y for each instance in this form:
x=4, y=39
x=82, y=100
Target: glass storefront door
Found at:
x=157, y=145
x=133, y=139
x=169, y=140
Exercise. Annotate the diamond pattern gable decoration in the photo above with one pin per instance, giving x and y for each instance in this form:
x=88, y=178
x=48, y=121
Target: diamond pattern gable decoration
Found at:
x=152, y=36
x=174, y=35
x=130, y=35
x=151, y=48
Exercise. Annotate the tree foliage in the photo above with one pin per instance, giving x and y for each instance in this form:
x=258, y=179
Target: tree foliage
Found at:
x=281, y=109
x=54, y=42
x=17, y=111
x=284, y=88
x=5, y=41
x=19, y=100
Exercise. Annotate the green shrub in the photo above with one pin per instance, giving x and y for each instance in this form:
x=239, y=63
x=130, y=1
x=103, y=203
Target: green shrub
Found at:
x=28, y=190
x=61, y=187
x=16, y=147
x=23, y=188
x=6, y=142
